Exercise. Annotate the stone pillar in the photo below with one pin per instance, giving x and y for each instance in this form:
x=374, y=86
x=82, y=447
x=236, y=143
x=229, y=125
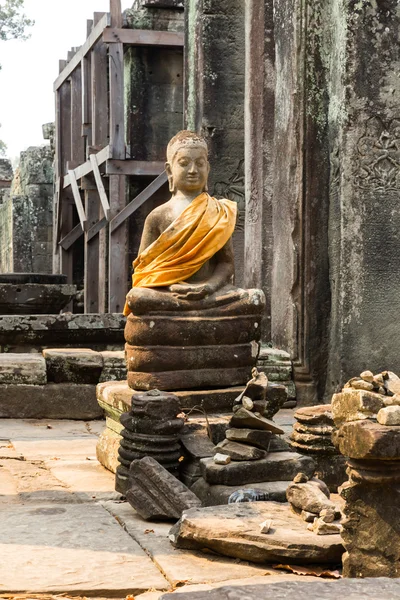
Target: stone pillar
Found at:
x=364, y=219
x=371, y=530
x=214, y=81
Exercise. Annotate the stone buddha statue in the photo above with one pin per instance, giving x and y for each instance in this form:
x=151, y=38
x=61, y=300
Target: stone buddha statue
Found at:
x=188, y=325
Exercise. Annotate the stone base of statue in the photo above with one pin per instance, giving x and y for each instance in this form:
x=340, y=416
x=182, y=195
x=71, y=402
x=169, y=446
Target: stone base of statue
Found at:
x=215, y=347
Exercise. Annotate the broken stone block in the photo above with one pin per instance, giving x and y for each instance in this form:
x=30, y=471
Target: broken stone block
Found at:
x=367, y=440
x=222, y=459
x=355, y=405
x=308, y=497
x=265, y=526
x=114, y=366
x=390, y=415
x=22, y=369
x=234, y=530
x=155, y=493
x=239, y=451
x=248, y=404
x=213, y=495
x=321, y=527
x=391, y=382
x=254, y=437
x=245, y=419
x=73, y=365
x=277, y=466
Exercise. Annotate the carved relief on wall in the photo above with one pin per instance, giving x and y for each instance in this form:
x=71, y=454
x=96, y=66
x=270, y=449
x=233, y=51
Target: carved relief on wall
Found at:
x=234, y=190
x=379, y=155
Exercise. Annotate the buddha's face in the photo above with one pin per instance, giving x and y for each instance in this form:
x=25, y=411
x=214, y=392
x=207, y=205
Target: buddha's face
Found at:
x=189, y=170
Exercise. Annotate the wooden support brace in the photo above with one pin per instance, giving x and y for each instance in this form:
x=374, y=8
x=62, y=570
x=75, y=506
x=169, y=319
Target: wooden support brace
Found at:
x=78, y=200
x=71, y=237
x=138, y=201
x=87, y=168
x=96, y=228
x=143, y=37
x=100, y=186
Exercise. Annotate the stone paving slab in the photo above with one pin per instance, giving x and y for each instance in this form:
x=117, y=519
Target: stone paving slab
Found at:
x=179, y=567
x=71, y=548
x=87, y=479
x=48, y=429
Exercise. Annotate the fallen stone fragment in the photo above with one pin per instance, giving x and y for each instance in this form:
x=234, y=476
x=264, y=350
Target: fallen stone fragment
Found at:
x=222, y=459
x=368, y=376
x=320, y=527
x=315, y=415
x=234, y=530
x=248, y=403
x=300, y=478
x=390, y=415
x=392, y=382
x=239, y=451
x=355, y=405
x=266, y=526
x=254, y=437
x=277, y=466
x=245, y=419
x=328, y=515
x=308, y=497
x=392, y=400
x=308, y=517
x=366, y=440
x=155, y=493
x=359, y=384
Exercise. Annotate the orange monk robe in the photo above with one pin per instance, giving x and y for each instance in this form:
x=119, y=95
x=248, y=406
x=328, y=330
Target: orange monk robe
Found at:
x=201, y=230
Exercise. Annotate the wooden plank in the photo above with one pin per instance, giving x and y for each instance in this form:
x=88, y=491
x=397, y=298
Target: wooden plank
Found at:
x=118, y=248
x=117, y=112
x=61, y=65
x=63, y=128
x=135, y=167
x=99, y=91
x=138, y=201
x=71, y=237
x=77, y=141
x=103, y=263
x=86, y=91
x=91, y=258
x=66, y=259
x=143, y=37
x=100, y=187
x=116, y=13
x=89, y=27
x=78, y=200
x=95, y=229
x=86, y=168
x=75, y=61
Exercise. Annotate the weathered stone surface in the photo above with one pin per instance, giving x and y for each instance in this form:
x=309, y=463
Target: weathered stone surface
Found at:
x=213, y=495
x=221, y=459
x=18, y=369
x=73, y=365
x=277, y=466
x=191, y=331
x=245, y=419
x=234, y=530
x=180, y=380
x=369, y=589
x=368, y=441
x=156, y=494
x=172, y=358
x=308, y=497
x=34, y=299
x=239, y=451
x=353, y=405
x=51, y=401
x=76, y=330
x=107, y=449
x=254, y=437
x=315, y=415
x=389, y=415
x=114, y=366
x=79, y=549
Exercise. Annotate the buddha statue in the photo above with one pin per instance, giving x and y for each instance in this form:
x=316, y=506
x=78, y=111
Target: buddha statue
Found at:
x=188, y=325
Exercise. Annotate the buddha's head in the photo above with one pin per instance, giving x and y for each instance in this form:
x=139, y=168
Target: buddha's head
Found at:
x=187, y=163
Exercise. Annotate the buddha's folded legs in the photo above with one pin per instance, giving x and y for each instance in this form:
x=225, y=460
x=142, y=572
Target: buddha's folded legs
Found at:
x=227, y=300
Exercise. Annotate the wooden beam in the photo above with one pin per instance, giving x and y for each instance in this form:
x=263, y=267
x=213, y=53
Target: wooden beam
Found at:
x=135, y=167
x=86, y=168
x=118, y=248
x=78, y=200
x=75, y=61
x=143, y=37
x=117, y=110
x=91, y=258
x=116, y=13
x=77, y=141
x=95, y=229
x=100, y=186
x=71, y=237
x=138, y=201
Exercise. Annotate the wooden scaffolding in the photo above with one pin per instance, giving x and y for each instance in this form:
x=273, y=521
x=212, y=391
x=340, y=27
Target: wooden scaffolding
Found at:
x=91, y=161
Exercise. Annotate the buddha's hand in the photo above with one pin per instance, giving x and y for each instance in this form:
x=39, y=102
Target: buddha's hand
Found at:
x=191, y=292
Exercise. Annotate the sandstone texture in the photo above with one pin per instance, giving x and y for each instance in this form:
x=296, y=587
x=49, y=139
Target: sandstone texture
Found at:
x=28, y=369
x=77, y=365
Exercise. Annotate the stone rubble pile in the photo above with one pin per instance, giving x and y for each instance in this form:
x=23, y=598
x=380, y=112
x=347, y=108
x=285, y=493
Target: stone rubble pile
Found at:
x=152, y=429
x=312, y=435
x=367, y=418
x=310, y=499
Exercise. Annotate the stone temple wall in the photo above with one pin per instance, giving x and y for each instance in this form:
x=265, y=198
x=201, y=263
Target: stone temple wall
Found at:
x=26, y=214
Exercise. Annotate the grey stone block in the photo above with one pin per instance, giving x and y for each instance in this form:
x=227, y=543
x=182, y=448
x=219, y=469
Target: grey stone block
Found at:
x=22, y=369
x=73, y=365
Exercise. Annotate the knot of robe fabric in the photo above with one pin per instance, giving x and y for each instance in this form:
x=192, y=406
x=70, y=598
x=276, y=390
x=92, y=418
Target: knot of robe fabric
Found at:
x=200, y=231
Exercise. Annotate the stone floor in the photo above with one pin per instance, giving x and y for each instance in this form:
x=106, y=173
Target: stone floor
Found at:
x=63, y=529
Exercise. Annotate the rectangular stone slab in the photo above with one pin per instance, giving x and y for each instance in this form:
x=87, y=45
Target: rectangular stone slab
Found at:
x=79, y=549
x=73, y=365
x=21, y=369
x=234, y=530
x=368, y=440
x=195, y=378
x=277, y=466
x=171, y=358
x=191, y=331
x=51, y=401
